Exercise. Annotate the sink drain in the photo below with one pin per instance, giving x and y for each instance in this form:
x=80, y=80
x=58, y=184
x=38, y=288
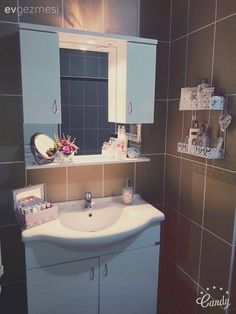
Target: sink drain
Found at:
x=90, y=214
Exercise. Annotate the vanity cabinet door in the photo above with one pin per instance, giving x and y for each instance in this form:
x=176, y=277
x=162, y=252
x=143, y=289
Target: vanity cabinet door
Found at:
x=40, y=71
x=132, y=83
x=66, y=288
x=128, y=282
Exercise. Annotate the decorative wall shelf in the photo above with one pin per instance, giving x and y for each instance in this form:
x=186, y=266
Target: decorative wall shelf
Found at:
x=202, y=98
x=201, y=151
x=212, y=105
x=87, y=161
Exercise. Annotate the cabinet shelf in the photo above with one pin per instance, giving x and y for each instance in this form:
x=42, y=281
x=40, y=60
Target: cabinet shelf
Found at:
x=201, y=151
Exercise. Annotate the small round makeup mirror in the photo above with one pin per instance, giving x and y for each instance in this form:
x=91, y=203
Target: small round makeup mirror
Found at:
x=43, y=147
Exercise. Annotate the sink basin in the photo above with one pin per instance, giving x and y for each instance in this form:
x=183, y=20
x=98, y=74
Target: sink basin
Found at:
x=101, y=216
x=109, y=221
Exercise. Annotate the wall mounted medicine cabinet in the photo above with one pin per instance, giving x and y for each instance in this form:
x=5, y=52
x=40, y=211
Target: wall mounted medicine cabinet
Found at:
x=131, y=72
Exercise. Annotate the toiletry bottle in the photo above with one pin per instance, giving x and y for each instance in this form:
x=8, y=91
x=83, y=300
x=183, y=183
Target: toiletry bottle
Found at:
x=127, y=193
x=124, y=142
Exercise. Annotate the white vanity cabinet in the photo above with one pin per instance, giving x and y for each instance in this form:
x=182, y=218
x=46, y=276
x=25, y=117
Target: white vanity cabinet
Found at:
x=40, y=71
x=117, y=279
x=65, y=288
x=132, y=70
x=128, y=282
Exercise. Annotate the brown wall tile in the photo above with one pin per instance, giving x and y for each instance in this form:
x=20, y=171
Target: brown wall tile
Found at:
x=149, y=179
x=153, y=135
x=83, y=14
x=166, y=284
x=200, y=49
x=13, y=254
x=172, y=181
x=174, y=127
x=179, y=23
x=192, y=190
x=121, y=17
x=54, y=18
x=225, y=8
x=55, y=180
x=10, y=79
x=162, y=70
x=114, y=178
x=177, y=67
x=170, y=227
x=11, y=129
x=155, y=19
x=215, y=262
x=83, y=179
x=10, y=17
x=12, y=177
x=201, y=13
x=189, y=242
x=185, y=294
x=220, y=203
x=14, y=298
x=224, y=77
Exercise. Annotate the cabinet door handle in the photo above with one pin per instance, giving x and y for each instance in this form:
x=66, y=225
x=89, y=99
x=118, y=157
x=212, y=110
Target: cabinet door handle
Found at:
x=55, y=106
x=91, y=277
x=130, y=107
x=105, y=270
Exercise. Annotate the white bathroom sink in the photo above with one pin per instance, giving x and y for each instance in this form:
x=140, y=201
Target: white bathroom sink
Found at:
x=102, y=215
x=109, y=221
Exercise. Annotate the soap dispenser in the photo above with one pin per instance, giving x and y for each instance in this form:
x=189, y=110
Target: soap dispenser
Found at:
x=127, y=193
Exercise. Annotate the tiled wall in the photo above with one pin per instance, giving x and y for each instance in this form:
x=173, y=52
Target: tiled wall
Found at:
x=84, y=90
x=199, y=195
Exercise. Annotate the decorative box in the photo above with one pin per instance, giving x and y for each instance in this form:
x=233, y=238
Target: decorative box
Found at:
x=30, y=206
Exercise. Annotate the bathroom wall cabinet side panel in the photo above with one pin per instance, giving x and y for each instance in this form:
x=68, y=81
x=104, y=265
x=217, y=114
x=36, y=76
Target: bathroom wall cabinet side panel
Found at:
x=128, y=281
x=132, y=83
x=40, y=70
x=66, y=288
x=141, y=71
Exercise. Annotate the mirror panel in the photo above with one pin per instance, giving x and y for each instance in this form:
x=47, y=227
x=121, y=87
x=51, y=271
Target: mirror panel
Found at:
x=84, y=98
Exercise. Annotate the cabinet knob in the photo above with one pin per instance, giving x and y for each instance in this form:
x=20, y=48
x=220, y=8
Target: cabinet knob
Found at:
x=130, y=107
x=105, y=270
x=55, y=106
x=91, y=277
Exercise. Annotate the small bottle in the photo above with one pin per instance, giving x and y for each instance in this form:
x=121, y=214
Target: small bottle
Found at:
x=118, y=132
x=127, y=193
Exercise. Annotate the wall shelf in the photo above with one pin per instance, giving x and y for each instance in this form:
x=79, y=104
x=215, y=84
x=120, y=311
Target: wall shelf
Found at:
x=87, y=160
x=201, y=151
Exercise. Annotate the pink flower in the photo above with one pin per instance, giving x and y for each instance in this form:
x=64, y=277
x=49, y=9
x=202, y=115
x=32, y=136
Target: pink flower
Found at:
x=66, y=149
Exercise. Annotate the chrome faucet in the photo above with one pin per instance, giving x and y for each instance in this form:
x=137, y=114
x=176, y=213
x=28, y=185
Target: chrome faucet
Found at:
x=88, y=200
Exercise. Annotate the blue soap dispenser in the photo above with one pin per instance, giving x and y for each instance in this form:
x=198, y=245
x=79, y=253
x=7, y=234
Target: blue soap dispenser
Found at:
x=127, y=193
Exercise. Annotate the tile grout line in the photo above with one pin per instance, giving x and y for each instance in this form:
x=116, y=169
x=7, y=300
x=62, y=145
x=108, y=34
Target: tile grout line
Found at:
x=135, y=177
x=103, y=180
x=67, y=184
x=167, y=107
x=196, y=224
x=203, y=163
x=62, y=14
x=203, y=27
x=232, y=258
x=139, y=18
x=12, y=162
x=11, y=95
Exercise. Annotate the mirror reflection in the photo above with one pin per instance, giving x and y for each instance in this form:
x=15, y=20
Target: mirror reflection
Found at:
x=43, y=148
x=84, y=98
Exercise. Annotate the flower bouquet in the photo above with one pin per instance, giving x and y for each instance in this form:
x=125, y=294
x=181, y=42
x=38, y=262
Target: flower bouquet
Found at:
x=66, y=147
